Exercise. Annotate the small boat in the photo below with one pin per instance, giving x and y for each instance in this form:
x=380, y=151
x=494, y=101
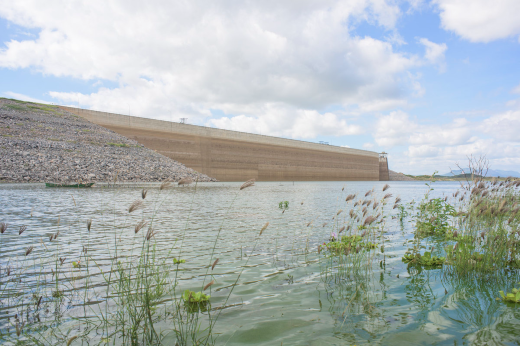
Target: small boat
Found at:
x=69, y=185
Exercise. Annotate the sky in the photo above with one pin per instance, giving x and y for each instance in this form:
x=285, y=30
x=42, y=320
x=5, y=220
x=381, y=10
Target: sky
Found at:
x=428, y=82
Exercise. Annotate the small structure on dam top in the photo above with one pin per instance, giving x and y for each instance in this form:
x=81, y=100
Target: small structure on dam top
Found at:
x=384, y=173
x=237, y=156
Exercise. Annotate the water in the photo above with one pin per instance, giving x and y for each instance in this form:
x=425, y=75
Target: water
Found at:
x=283, y=296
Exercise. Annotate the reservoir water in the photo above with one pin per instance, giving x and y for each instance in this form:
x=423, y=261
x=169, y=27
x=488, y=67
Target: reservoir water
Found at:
x=284, y=291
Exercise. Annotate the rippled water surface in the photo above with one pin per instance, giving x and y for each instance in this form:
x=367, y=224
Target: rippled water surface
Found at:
x=283, y=295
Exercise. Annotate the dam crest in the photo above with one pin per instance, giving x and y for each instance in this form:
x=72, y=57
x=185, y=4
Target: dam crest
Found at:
x=237, y=156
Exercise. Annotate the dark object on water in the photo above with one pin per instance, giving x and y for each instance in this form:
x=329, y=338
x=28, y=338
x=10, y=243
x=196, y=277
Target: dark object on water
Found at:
x=69, y=185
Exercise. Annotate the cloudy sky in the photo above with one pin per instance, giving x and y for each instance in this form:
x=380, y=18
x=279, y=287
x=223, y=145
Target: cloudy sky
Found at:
x=429, y=82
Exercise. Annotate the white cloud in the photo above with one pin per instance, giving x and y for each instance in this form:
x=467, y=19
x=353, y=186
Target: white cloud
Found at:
x=368, y=145
x=431, y=147
x=394, y=129
x=23, y=97
x=505, y=126
x=182, y=59
x=516, y=90
x=435, y=53
x=286, y=122
x=480, y=20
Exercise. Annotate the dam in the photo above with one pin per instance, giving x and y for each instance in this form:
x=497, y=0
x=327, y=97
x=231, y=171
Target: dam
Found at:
x=237, y=156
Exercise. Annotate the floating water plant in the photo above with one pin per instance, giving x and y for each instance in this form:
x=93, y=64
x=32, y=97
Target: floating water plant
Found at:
x=513, y=297
x=426, y=260
x=351, y=243
x=195, y=297
x=283, y=205
x=195, y=301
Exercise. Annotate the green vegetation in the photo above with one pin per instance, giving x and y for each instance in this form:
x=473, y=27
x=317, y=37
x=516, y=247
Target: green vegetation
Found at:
x=348, y=244
x=121, y=145
x=16, y=107
x=44, y=108
x=512, y=297
x=140, y=286
x=426, y=260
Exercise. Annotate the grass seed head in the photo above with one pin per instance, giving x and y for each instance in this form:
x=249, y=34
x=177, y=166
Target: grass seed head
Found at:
x=369, y=220
x=151, y=233
x=350, y=197
x=135, y=205
x=263, y=228
x=185, y=181
x=89, y=224
x=386, y=187
x=140, y=225
x=22, y=229
x=209, y=285
x=165, y=184
x=247, y=184
x=3, y=227
x=214, y=264
x=143, y=193
x=29, y=250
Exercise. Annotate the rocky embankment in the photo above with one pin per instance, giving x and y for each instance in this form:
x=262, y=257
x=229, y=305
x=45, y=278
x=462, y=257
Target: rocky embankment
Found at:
x=394, y=176
x=42, y=143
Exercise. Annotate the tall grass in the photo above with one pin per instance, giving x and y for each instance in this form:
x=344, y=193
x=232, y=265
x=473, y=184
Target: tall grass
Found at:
x=123, y=297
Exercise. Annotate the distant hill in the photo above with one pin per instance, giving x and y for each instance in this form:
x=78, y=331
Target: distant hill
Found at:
x=490, y=173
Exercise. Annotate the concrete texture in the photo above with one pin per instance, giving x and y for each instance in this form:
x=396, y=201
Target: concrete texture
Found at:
x=237, y=156
x=384, y=174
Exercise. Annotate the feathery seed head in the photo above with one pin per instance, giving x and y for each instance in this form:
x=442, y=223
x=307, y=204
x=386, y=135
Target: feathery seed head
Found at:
x=369, y=220
x=135, y=205
x=214, y=264
x=247, y=184
x=185, y=181
x=263, y=228
x=165, y=184
x=140, y=225
x=209, y=285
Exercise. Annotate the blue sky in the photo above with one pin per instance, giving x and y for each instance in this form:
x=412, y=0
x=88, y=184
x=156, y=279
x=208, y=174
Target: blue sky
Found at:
x=429, y=82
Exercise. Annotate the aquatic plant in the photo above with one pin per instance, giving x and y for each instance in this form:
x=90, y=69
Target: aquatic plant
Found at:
x=511, y=297
x=426, y=259
x=348, y=244
x=284, y=205
x=195, y=297
x=178, y=261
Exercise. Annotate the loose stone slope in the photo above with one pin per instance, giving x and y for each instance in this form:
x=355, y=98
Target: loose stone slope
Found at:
x=42, y=143
x=394, y=176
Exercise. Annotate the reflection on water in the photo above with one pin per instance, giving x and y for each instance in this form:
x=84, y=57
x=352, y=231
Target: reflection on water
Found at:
x=287, y=293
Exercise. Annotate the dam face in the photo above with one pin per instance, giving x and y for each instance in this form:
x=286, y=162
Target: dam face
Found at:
x=237, y=156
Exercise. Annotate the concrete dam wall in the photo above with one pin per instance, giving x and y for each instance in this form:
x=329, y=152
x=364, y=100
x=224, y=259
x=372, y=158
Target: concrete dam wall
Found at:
x=237, y=156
